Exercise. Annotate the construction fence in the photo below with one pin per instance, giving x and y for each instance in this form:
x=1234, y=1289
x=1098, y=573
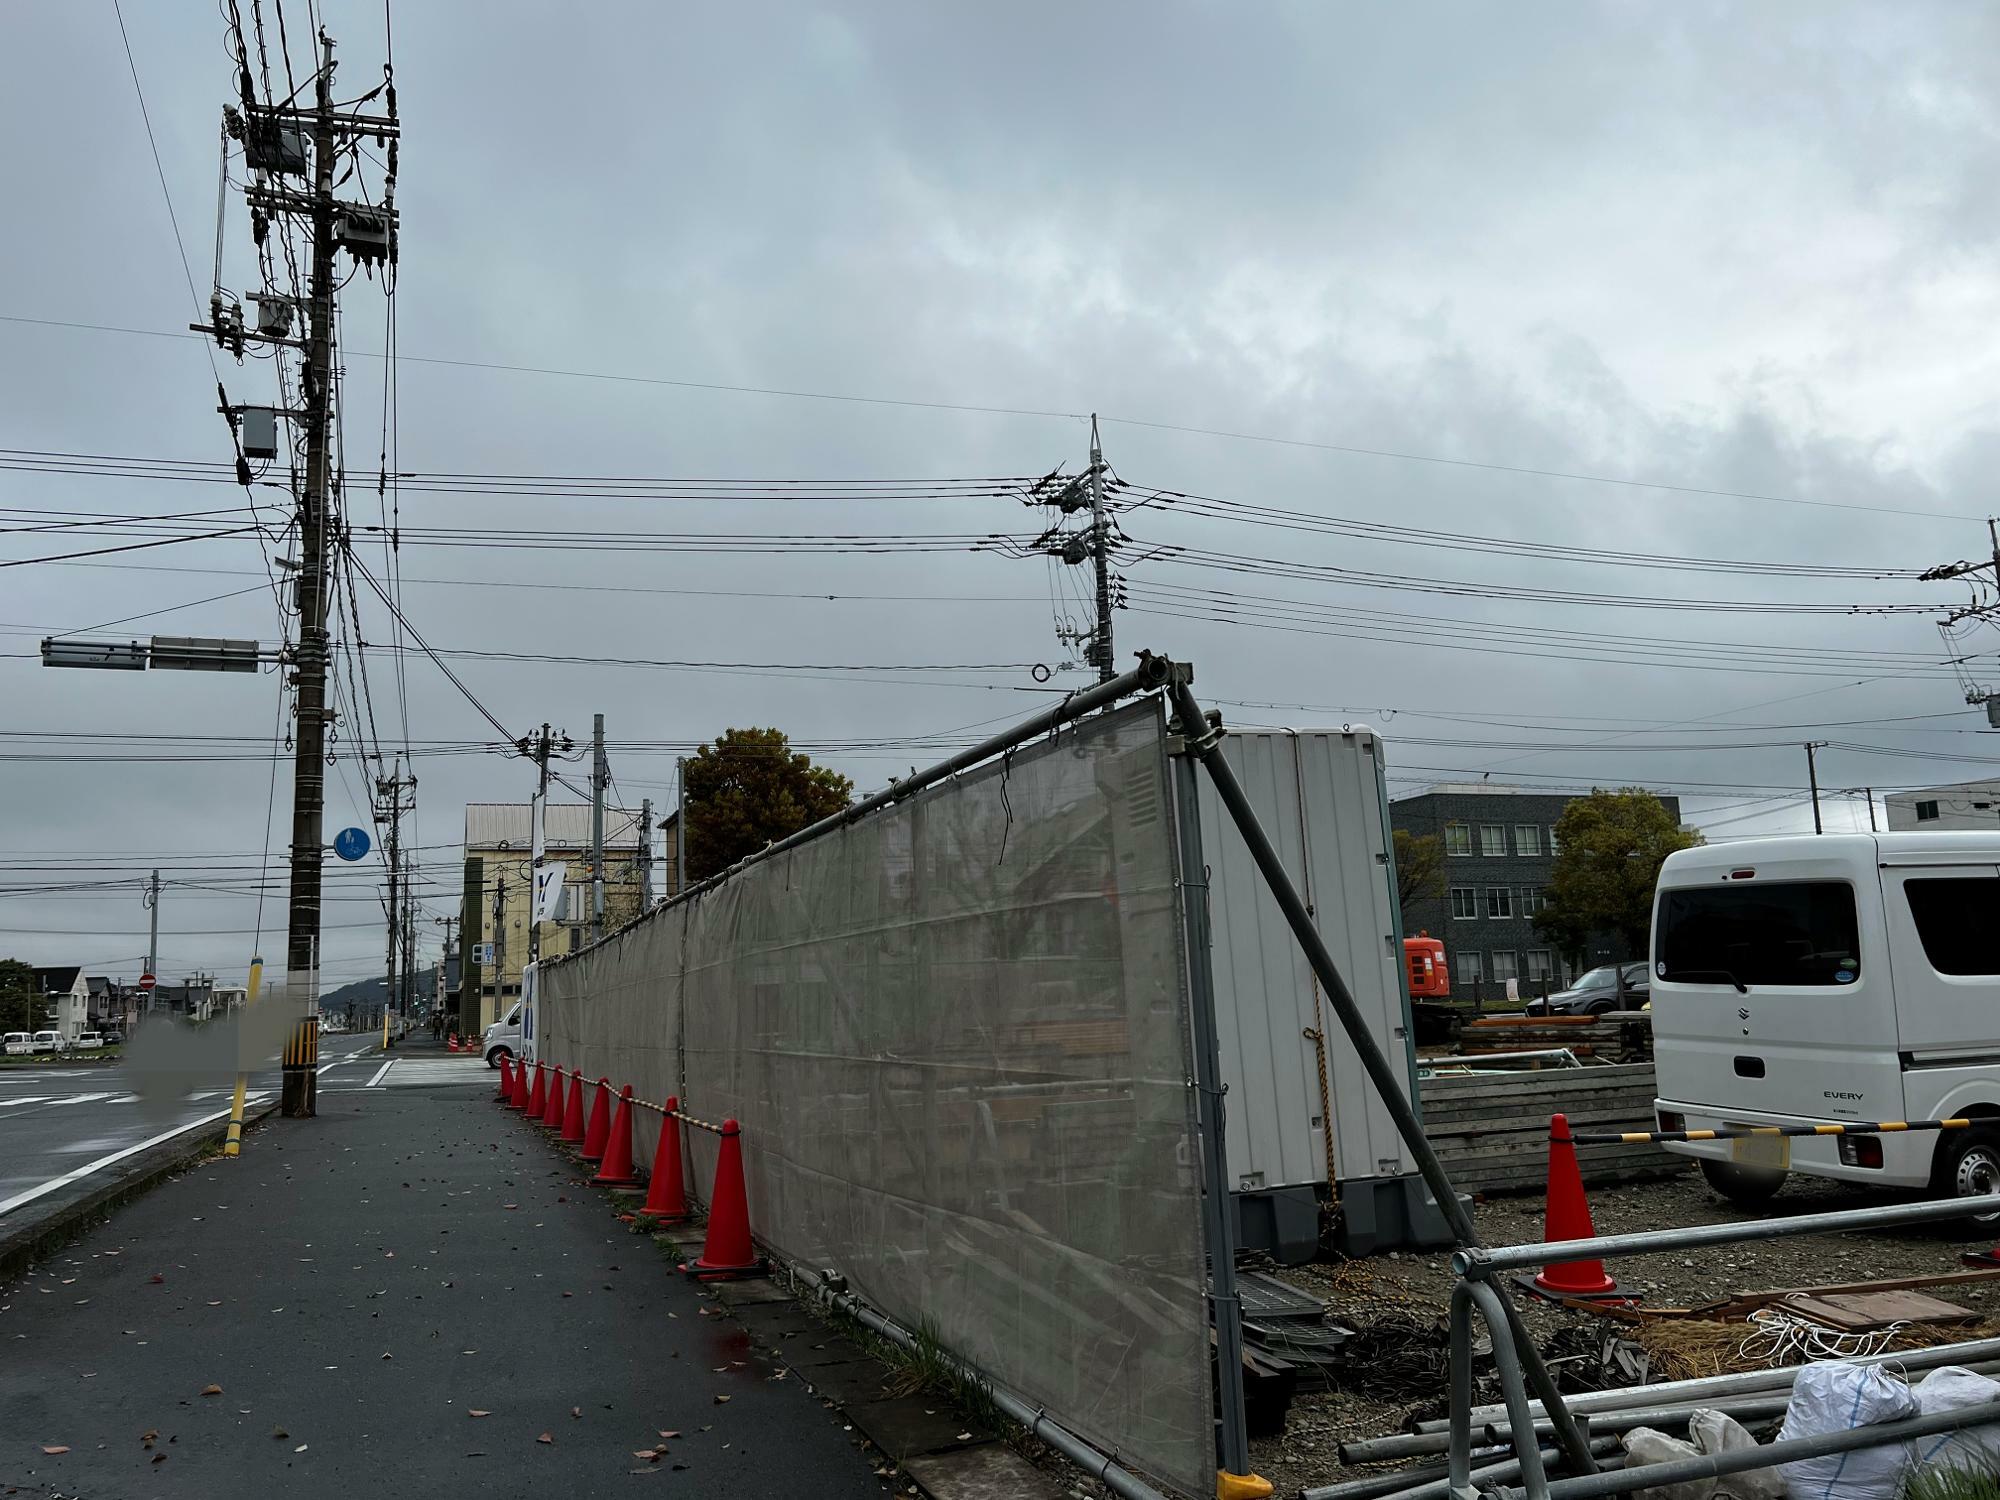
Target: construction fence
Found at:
x=956, y=1033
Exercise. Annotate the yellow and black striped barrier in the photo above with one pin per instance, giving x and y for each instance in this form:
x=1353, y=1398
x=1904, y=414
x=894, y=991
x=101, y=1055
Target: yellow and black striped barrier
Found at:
x=1742, y=1132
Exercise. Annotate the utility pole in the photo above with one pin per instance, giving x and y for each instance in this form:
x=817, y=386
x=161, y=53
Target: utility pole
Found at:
x=540, y=748
x=1983, y=606
x=645, y=853
x=1812, y=777
x=1869, y=793
x=152, y=899
x=390, y=806
x=1100, y=552
x=681, y=827
x=500, y=945
x=600, y=775
x=444, y=958
x=1069, y=496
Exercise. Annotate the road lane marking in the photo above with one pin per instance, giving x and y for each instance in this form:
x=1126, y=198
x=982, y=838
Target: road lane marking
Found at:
x=380, y=1074
x=8, y=1205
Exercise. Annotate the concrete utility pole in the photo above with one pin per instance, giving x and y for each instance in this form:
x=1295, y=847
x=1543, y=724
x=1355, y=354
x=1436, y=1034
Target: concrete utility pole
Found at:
x=152, y=899
x=444, y=958
x=1812, y=779
x=681, y=828
x=500, y=944
x=1100, y=552
x=390, y=805
x=646, y=853
x=600, y=775
x=539, y=748
x=1869, y=793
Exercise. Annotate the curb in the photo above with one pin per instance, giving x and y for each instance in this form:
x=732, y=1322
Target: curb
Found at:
x=143, y=1173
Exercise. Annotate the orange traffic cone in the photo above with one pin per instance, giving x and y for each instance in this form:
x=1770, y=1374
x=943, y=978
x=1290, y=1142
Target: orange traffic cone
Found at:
x=572, y=1124
x=451, y=1042
x=519, y=1098
x=553, y=1113
x=538, y=1096
x=598, y=1131
x=616, y=1170
x=726, y=1251
x=506, y=1080
x=1567, y=1217
x=666, y=1194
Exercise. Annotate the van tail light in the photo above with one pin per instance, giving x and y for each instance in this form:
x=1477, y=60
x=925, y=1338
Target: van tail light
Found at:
x=1672, y=1119
x=1861, y=1150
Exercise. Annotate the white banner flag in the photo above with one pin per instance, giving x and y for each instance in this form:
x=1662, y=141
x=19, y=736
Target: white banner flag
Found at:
x=548, y=890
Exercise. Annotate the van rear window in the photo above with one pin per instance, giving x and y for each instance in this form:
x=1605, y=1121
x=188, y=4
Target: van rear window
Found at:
x=1786, y=932
x=1955, y=917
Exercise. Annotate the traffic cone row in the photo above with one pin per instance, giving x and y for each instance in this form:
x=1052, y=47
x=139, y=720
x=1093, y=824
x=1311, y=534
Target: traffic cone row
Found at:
x=727, y=1249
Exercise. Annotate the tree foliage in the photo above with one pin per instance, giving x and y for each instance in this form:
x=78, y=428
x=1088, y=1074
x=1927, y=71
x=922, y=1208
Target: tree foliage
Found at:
x=749, y=789
x=17, y=996
x=1419, y=867
x=1609, y=849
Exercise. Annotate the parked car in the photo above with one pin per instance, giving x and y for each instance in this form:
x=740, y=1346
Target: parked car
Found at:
x=114, y=1037
x=17, y=1044
x=50, y=1041
x=1596, y=993
x=503, y=1037
x=89, y=1041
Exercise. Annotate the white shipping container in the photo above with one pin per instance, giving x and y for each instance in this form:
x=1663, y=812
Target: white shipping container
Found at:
x=1322, y=799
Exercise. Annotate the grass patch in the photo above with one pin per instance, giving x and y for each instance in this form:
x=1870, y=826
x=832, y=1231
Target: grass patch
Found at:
x=1949, y=1482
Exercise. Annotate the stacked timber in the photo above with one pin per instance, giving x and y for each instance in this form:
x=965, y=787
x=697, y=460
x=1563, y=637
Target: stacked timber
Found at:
x=1491, y=1130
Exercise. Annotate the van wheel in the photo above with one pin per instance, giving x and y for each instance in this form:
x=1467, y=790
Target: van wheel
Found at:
x=1746, y=1187
x=1969, y=1167
x=493, y=1057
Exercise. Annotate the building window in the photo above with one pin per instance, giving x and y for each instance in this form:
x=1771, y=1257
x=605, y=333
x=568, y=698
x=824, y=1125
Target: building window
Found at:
x=1464, y=903
x=1533, y=899
x=1493, y=839
x=1465, y=968
x=1927, y=812
x=1457, y=839
x=1505, y=966
x=1541, y=964
x=1528, y=839
x=1499, y=901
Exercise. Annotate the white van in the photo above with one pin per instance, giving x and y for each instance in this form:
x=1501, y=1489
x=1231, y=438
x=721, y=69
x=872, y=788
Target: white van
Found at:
x=1807, y=980
x=503, y=1037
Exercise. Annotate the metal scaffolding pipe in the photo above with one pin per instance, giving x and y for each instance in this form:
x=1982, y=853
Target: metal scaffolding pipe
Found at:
x=1205, y=743
x=1976, y=1354
x=1765, y=1456
x=1431, y=1482
x=1479, y=1261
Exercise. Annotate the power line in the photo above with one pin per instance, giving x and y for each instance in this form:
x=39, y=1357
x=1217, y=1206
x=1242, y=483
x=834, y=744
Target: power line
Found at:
x=1400, y=455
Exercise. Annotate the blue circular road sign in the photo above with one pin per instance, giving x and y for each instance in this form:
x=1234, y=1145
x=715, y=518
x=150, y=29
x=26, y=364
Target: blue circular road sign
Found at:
x=350, y=843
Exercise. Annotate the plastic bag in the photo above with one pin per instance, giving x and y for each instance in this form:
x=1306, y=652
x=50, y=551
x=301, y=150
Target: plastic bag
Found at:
x=1838, y=1396
x=1953, y=1389
x=1708, y=1432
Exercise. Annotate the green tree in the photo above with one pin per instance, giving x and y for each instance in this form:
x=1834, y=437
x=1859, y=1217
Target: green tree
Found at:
x=17, y=996
x=1609, y=849
x=749, y=789
x=1419, y=867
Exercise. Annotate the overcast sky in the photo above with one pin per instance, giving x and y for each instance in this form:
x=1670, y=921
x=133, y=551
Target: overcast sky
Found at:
x=1701, y=247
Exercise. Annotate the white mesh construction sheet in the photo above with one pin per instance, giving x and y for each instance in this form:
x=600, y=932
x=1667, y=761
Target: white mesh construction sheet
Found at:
x=956, y=1036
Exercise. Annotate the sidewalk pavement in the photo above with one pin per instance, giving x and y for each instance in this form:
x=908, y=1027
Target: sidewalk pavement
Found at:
x=410, y=1294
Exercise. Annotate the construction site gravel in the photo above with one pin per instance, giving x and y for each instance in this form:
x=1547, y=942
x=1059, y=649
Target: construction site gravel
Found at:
x=1397, y=1298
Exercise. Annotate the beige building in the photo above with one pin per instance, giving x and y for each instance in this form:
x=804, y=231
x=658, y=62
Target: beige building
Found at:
x=499, y=844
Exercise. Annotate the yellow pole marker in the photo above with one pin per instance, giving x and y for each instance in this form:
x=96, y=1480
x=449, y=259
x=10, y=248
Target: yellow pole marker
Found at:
x=233, y=1146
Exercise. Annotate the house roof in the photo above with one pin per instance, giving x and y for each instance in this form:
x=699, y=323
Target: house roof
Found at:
x=489, y=825
x=57, y=981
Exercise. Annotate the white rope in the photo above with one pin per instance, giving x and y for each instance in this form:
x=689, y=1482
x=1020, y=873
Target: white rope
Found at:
x=1780, y=1336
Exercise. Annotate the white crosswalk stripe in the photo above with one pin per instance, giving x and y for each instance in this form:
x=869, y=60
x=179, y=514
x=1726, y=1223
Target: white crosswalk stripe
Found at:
x=61, y=1099
x=409, y=1071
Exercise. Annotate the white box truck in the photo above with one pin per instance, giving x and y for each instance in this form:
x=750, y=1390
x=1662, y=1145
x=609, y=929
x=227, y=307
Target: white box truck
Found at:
x=1810, y=980
x=1303, y=1123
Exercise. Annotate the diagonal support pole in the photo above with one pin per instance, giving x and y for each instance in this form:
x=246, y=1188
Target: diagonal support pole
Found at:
x=1206, y=744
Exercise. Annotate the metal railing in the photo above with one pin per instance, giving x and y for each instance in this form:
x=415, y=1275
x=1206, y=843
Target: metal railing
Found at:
x=1526, y=1428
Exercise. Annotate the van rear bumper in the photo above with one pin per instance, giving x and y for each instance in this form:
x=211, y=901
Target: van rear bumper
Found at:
x=1906, y=1157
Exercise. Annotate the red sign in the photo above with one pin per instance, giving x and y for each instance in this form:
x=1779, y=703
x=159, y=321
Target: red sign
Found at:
x=146, y=981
